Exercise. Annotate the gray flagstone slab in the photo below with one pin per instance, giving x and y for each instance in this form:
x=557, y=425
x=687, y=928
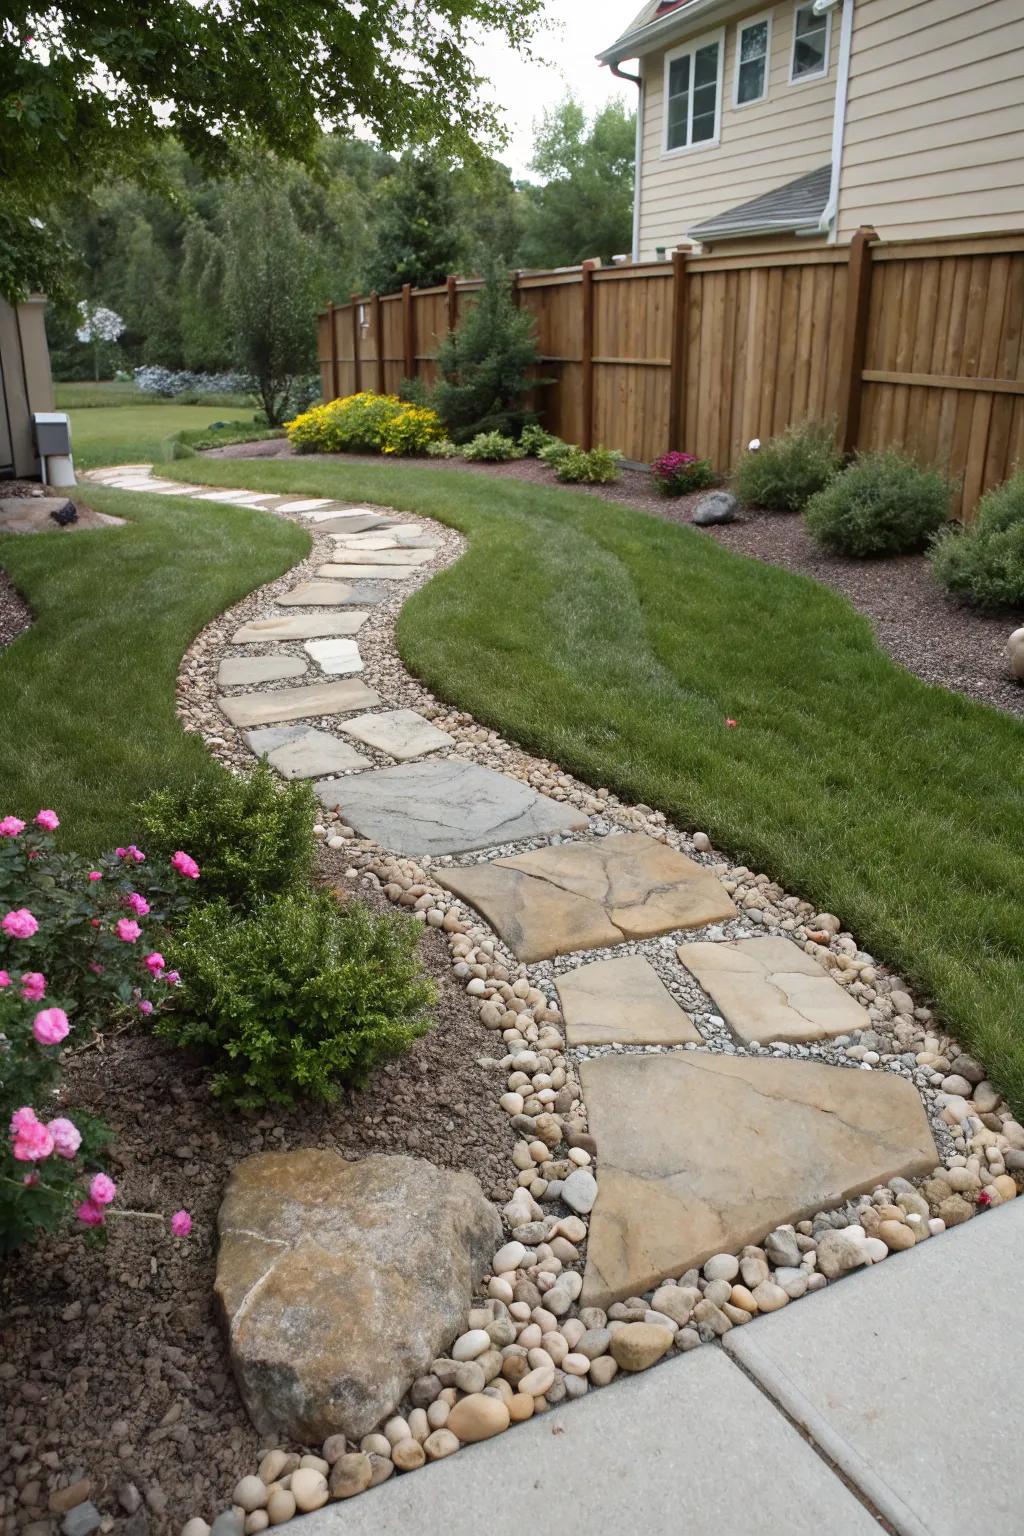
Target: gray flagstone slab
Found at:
x=346, y=522
x=330, y=594
x=235, y=670
x=395, y=556
x=302, y=752
x=335, y=657
x=401, y=733
x=298, y=703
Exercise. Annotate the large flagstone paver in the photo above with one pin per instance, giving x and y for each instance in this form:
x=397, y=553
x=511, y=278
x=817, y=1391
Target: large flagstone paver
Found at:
x=349, y=522
x=445, y=805
x=236, y=670
x=622, y=1001
x=700, y=1154
x=401, y=733
x=587, y=895
x=298, y=703
x=298, y=626
x=330, y=594
x=366, y=572
x=301, y=752
x=335, y=657
x=769, y=989
x=395, y=556
x=306, y=506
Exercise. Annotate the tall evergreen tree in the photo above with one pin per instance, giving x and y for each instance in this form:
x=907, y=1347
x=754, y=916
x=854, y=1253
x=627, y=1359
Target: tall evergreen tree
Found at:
x=418, y=237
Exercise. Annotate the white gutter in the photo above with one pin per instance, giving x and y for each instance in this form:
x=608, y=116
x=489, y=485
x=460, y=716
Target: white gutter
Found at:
x=712, y=237
x=829, y=222
x=645, y=38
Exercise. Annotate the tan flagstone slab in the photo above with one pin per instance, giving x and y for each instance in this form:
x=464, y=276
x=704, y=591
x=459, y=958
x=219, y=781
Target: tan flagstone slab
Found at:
x=248, y=709
x=623, y=1001
x=327, y=594
x=366, y=572
x=236, y=670
x=770, y=989
x=700, y=1154
x=336, y=657
x=394, y=556
x=587, y=895
x=302, y=752
x=299, y=626
x=346, y=522
x=401, y=733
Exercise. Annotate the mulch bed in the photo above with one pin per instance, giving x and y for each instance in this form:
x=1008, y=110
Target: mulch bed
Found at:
x=914, y=621
x=114, y=1365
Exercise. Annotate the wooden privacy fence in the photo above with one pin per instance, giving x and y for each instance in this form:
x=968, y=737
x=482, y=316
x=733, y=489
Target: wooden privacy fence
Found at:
x=911, y=344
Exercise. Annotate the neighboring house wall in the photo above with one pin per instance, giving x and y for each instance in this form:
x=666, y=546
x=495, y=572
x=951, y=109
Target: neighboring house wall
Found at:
x=761, y=145
x=25, y=384
x=935, y=119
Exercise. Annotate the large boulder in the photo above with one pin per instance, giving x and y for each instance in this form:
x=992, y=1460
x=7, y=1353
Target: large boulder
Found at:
x=340, y=1282
x=715, y=507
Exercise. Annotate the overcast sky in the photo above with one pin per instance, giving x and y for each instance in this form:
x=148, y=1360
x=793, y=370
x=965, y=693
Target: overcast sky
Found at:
x=522, y=91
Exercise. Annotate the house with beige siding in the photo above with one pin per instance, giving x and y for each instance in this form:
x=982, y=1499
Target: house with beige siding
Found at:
x=764, y=127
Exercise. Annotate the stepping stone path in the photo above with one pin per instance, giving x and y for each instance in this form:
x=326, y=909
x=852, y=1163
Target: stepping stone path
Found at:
x=301, y=752
x=446, y=806
x=244, y=709
x=588, y=895
x=702, y=1154
x=401, y=733
x=624, y=1002
x=768, y=989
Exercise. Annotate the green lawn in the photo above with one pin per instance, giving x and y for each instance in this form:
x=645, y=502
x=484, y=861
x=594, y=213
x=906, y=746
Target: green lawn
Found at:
x=87, y=694
x=84, y=392
x=134, y=434
x=618, y=644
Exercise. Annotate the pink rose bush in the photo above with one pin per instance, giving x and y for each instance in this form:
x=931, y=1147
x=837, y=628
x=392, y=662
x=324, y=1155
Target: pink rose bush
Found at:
x=71, y=962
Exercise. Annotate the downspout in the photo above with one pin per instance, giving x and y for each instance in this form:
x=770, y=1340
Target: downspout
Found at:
x=637, y=80
x=829, y=222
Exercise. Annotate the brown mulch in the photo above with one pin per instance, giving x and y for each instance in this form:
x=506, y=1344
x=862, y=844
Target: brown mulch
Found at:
x=15, y=613
x=914, y=621
x=114, y=1366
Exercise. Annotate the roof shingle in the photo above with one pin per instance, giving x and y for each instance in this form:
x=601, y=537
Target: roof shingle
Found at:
x=798, y=204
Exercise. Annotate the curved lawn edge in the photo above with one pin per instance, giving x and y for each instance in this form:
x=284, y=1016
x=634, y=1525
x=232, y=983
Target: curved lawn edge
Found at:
x=618, y=645
x=87, y=693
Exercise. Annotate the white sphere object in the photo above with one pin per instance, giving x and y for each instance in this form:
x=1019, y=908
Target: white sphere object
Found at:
x=1015, y=651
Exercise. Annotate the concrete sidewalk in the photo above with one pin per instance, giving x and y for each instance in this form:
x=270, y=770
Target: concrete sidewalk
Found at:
x=907, y=1382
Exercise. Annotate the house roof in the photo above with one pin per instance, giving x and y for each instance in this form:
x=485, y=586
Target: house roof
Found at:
x=655, y=19
x=795, y=207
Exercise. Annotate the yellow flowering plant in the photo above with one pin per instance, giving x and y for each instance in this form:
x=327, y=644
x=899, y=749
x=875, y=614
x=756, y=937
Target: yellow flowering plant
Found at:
x=365, y=423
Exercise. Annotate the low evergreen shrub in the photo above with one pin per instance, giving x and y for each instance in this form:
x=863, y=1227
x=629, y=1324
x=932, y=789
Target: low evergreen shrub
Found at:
x=484, y=366
x=983, y=564
x=783, y=474
x=493, y=448
x=443, y=448
x=298, y=998
x=553, y=452
x=883, y=504
x=598, y=466
x=535, y=439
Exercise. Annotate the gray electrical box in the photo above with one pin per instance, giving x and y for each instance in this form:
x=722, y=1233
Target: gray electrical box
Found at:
x=53, y=433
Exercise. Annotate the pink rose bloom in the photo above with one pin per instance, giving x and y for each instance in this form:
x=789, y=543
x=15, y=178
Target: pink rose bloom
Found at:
x=21, y=1118
x=50, y=1026
x=102, y=1189
x=19, y=924
x=127, y=929
x=95, y=874
x=30, y=1178
x=11, y=826
x=32, y=1143
x=131, y=852
x=136, y=903
x=48, y=820
x=154, y=962
x=173, y=978
x=145, y=1007
x=5, y=978
x=90, y=1215
x=185, y=866
x=33, y=986
x=67, y=1138
x=96, y=969
x=181, y=1224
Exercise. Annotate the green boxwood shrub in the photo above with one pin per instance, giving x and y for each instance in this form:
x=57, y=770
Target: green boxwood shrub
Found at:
x=298, y=998
x=598, y=466
x=493, y=448
x=252, y=836
x=534, y=438
x=983, y=564
x=783, y=474
x=883, y=504
x=553, y=452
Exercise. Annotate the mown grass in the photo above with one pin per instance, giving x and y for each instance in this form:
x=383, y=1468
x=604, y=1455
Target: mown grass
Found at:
x=619, y=644
x=134, y=434
x=87, y=695
x=82, y=393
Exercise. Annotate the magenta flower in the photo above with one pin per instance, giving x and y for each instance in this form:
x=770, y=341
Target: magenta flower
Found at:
x=127, y=930
x=33, y=986
x=19, y=924
x=184, y=865
x=50, y=1026
x=11, y=826
x=95, y=874
x=145, y=1007
x=136, y=903
x=90, y=1215
x=154, y=962
x=22, y=1117
x=32, y=1143
x=96, y=968
x=30, y=1178
x=173, y=978
x=5, y=978
x=67, y=1138
x=181, y=1224
x=48, y=820
x=131, y=852
x=102, y=1189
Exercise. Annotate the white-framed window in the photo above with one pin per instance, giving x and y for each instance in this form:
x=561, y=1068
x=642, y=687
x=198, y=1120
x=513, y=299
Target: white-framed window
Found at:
x=693, y=93
x=811, y=38
x=753, y=51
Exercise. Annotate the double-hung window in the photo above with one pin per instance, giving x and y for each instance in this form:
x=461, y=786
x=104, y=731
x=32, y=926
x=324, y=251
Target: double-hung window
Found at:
x=753, y=45
x=811, y=35
x=693, y=94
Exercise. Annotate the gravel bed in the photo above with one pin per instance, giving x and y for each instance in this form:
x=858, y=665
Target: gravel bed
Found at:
x=914, y=621
x=15, y=613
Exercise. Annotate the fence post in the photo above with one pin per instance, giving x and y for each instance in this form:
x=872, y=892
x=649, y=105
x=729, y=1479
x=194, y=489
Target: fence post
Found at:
x=453, y=302
x=855, y=335
x=408, y=332
x=333, y=354
x=587, y=355
x=378, y=339
x=357, y=366
x=677, y=368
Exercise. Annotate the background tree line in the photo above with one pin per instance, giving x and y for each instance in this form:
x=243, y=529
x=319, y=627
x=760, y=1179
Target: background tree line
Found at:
x=206, y=270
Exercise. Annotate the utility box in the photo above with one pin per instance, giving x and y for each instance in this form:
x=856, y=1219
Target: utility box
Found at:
x=25, y=385
x=53, y=433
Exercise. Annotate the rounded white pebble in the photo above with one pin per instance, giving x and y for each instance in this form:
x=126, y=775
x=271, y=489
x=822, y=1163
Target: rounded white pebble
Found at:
x=508, y=1258
x=512, y=1103
x=250, y=1494
x=469, y=1345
